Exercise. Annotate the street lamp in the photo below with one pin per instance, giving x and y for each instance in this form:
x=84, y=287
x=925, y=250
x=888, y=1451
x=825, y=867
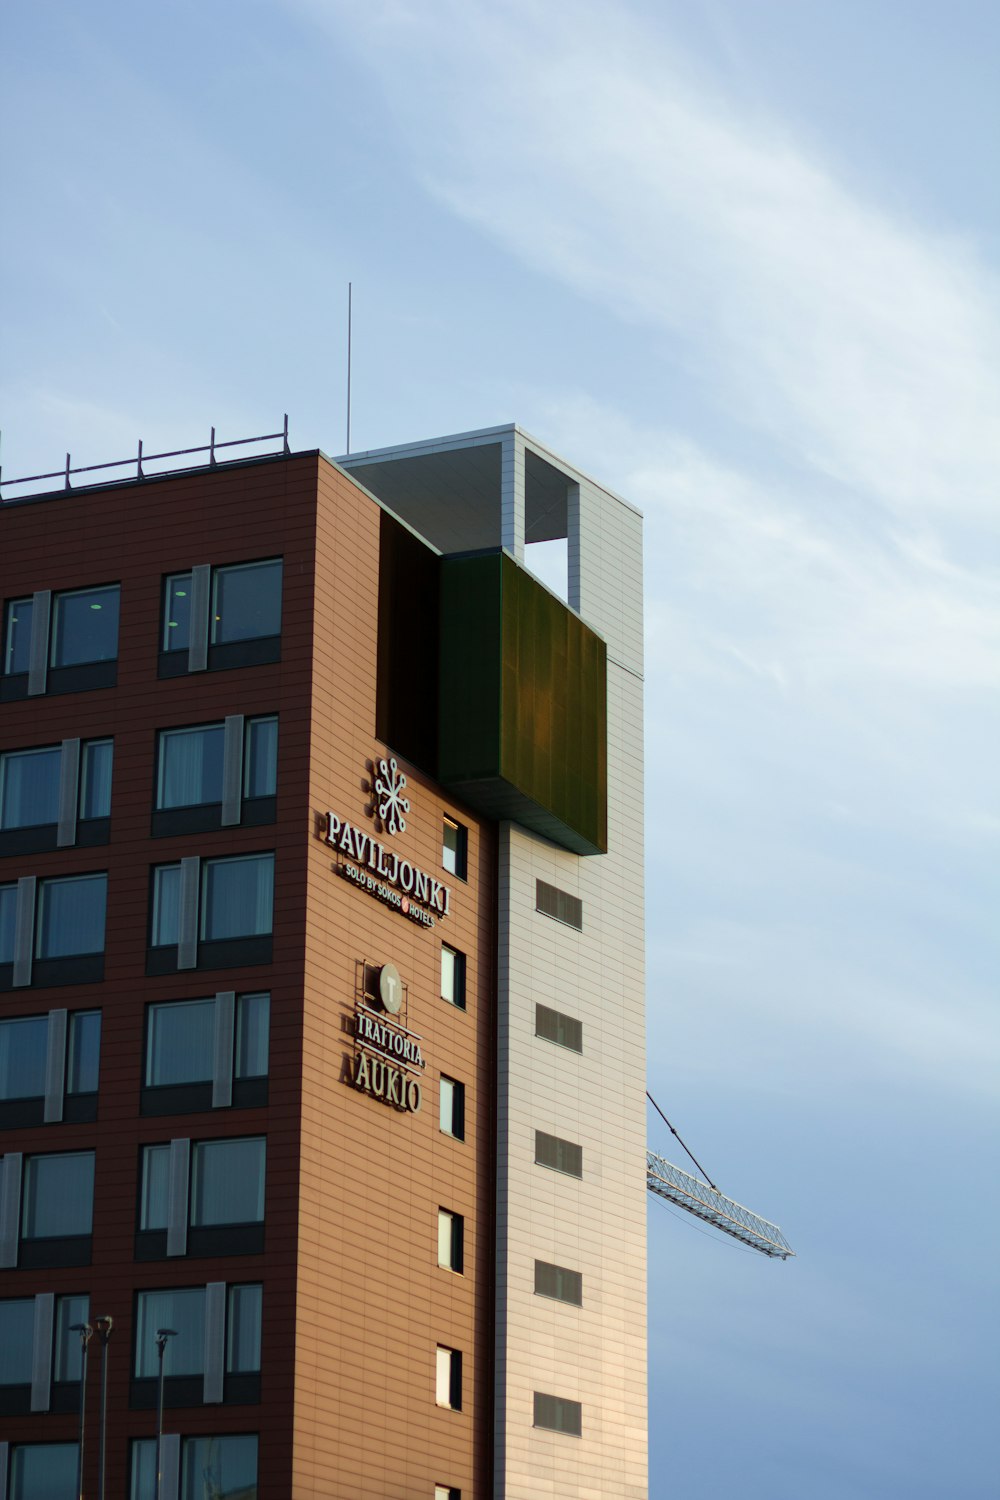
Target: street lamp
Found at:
x=86, y=1333
x=162, y=1335
x=104, y=1326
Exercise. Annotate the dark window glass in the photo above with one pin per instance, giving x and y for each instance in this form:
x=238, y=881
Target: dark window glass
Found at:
x=558, y=1414
x=227, y=1182
x=237, y=896
x=562, y=1156
x=253, y=1014
x=166, y=905
x=95, y=779
x=29, y=787
x=58, y=1195
x=43, y=1471
x=23, y=1044
x=558, y=1282
x=223, y=1468
x=8, y=907
x=85, y=626
x=17, y=644
x=154, y=1188
x=454, y=851
x=84, y=1053
x=246, y=602
x=453, y=1108
x=183, y=1310
x=17, y=1332
x=260, y=777
x=67, y=1358
x=243, y=1324
x=190, y=766
x=71, y=916
x=177, y=613
x=559, y=904
x=564, y=1030
x=179, y=1043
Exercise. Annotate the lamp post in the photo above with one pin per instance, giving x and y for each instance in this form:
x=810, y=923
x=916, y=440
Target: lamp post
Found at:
x=86, y=1333
x=162, y=1335
x=104, y=1326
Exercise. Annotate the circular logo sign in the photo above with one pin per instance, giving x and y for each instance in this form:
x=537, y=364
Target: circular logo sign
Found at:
x=390, y=988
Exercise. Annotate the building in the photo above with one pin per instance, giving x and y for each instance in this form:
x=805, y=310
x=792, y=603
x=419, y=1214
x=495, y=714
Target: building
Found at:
x=321, y=981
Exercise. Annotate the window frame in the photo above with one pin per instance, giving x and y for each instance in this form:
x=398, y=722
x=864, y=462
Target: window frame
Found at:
x=456, y=1112
x=181, y=1235
x=234, y=807
x=29, y=966
x=42, y=674
x=562, y=1406
x=563, y=1025
x=212, y=1381
x=451, y=1226
x=448, y=1373
x=455, y=860
x=194, y=950
x=458, y=976
x=203, y=652
x=561, y=1153
x=72, y=825
x=224, y=1087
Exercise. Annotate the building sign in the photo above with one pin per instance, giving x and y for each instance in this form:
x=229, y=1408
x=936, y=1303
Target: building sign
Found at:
x=387, y=1059
x=376, y=869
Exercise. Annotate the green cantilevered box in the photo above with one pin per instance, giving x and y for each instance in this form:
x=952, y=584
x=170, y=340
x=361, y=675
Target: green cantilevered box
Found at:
x=522, y=716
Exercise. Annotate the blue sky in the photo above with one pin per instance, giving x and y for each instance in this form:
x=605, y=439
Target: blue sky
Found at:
x=739, y=259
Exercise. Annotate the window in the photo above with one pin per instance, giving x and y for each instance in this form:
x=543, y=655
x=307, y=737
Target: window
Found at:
x=558, y=1414
x=67, y=916
x=17, y=1337
x=58, y=1199
x=43, y=1471
x=449, y=1378
x=216, y=775
x=564, y=1030
x=217, y=1336
x=446, y=1492
x=221, y=617
x=206, y=1054
x=84, y=627
x=560, y=1155
x=207, y=1195
x=54, y=796
x=71, y=916
x=40, y=1356
x=60, y=643
x=553, y=902
x=453, y=1108
x=451, y=1240
x=46, y=1209
x=558, y=1282
x=213, y=901
x=48, y=1067
x=454, y=852
x=453, y=976
x=17, y=650
x=224, y=1467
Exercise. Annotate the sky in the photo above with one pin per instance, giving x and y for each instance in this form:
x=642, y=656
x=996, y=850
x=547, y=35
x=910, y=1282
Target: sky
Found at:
x=739, y=260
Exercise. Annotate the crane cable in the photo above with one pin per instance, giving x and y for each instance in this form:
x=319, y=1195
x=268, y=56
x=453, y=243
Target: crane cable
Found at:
x=673, y=1132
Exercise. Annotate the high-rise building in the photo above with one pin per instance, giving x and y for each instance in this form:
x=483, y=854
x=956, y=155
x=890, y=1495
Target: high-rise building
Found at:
x=321, y=982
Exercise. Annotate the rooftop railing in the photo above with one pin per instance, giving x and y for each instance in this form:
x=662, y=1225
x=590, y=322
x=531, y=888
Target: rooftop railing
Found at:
x=213, y=447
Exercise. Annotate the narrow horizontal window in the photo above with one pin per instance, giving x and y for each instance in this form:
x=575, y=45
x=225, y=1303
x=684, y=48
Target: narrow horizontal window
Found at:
x=558, y=1282
x=43, y=1471
x=553, y=902
x=561, y=1156
x=556, y=1027
x=558, y=1414
x=223, y=1466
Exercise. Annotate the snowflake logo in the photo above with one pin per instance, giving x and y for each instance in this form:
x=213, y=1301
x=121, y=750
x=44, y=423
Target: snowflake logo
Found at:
x=389, y=799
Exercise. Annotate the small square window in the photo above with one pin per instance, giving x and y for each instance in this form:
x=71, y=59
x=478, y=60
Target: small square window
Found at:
x=449, y=1378
x=451, y=1240
x=43, y=1471
x=71, y=911
x=58, y=1197
x=237, y=897
x=23, y=1052
x=453, y=1108
x=189, y=771
x=29, y=787
x=454, y=852
x=246, y=601
x=453, y=976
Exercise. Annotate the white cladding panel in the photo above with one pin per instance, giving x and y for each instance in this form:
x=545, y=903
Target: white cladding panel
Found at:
x=594, y=1354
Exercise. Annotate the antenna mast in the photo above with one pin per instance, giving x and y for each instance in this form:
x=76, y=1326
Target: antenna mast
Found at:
x=349, y=299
